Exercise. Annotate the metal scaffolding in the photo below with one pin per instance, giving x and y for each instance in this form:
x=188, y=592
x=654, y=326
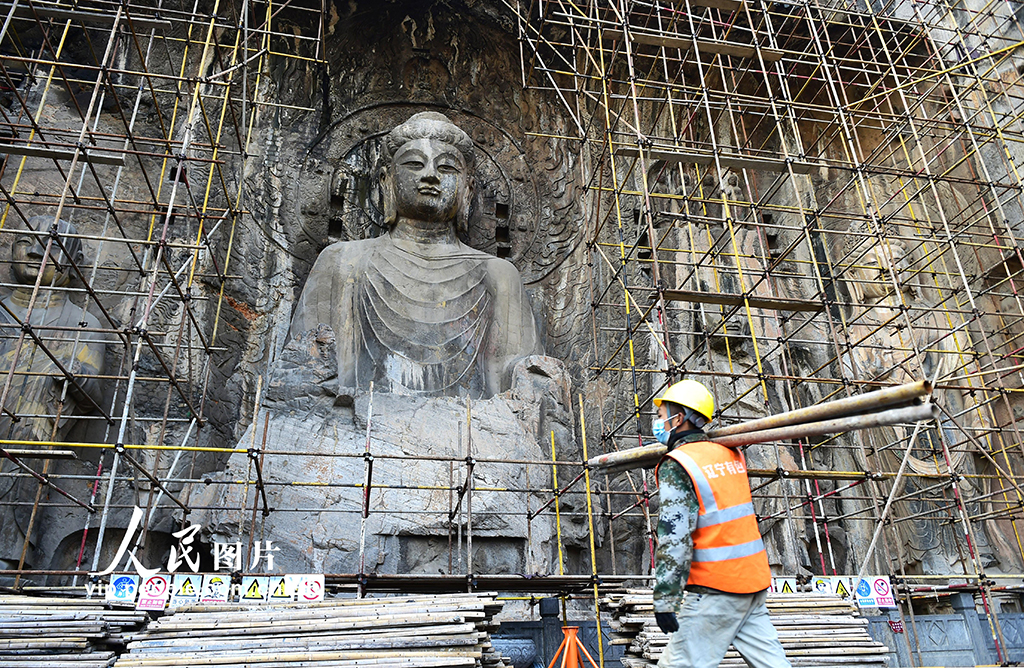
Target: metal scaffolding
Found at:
x=792, y=202
x=801, y=201
x=199, y=73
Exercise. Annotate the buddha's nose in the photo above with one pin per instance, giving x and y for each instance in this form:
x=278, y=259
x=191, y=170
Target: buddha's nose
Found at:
x=430, y=174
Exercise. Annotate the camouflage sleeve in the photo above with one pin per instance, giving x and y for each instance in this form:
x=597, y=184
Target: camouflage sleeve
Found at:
x=677, y=520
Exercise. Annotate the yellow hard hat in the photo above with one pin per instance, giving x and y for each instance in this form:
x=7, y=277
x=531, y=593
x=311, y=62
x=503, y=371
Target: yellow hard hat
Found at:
x=690, y=394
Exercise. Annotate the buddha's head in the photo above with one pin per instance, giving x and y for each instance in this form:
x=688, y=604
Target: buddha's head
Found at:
x=430, y=175
x=28, y=250
x=876, y=268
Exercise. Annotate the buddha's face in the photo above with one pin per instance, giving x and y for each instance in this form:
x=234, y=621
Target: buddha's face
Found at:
x=874, y=269
x=26, y=256
x=429, y=177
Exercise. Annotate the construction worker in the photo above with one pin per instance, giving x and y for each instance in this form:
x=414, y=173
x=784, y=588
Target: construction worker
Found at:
x=711, y=571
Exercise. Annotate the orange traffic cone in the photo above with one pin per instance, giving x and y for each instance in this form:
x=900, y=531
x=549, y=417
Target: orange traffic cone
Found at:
x=570, y=649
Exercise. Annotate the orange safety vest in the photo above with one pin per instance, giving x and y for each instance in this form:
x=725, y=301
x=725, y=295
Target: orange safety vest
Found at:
x=728, y=553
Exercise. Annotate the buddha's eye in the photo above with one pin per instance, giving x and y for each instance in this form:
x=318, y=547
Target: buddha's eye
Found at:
x=412, y=164
x=448, y=168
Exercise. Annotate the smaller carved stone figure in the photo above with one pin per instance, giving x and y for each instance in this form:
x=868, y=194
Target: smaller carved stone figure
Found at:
x=45, y=403
x=416, y=310
x=885, y=348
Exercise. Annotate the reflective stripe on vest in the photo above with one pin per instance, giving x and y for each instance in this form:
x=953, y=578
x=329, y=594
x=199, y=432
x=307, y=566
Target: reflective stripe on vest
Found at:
x=711, y=515
x=729, y=554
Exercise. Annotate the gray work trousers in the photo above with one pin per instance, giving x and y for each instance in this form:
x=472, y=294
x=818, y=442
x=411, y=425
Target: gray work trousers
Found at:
x=709, y=623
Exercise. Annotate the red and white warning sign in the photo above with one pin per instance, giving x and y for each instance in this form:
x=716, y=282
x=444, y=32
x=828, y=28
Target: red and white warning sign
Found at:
x=883, y=592
x=311, y=588
x=154, y=592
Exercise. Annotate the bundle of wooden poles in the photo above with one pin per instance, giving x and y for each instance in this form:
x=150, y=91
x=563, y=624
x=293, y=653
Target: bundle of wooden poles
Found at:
x=901, y=404
x=815, y=630
x=397, y=632
x=62, y=632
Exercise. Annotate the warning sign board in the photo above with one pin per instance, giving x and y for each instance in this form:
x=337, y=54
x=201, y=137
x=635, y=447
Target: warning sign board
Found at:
x=842, y=586
x=311, y=588
x=254, y=589
x=215, y=588
x=875, y=592
x=281, y=588
x=784, y=585
x=123, y=588
x=154, y=592
x=185, y=589
x=822, y=585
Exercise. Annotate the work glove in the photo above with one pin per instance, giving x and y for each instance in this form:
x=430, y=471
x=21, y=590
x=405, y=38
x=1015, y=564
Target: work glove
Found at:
x=667, y=621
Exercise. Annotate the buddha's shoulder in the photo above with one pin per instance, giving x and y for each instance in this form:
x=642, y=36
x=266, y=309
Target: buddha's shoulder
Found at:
x=501, y=269
x=346, y=252
x=494, y=264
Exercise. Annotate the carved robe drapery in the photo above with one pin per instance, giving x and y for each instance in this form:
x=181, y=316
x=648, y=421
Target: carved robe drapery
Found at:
x=430, y=319
x=34, y=392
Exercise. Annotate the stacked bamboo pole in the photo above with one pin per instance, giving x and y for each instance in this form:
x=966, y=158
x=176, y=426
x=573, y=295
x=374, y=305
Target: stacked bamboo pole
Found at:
x=62, y=633
x=873, y=409
x=400, y=632
x=815, y=630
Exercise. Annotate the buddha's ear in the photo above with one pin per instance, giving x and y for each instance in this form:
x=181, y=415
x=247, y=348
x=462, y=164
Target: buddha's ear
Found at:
x=387, y=190
x=465, y=206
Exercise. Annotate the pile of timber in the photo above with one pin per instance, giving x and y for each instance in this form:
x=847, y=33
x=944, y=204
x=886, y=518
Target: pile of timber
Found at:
x=395, y=632
x=63, y=632
x=815, y=630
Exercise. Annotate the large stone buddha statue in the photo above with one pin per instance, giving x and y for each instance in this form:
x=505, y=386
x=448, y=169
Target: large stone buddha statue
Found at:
x=446, y=335
x=416, y=310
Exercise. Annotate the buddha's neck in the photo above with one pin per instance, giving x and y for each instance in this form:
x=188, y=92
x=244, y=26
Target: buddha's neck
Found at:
x=424, y=231
x=22, y=295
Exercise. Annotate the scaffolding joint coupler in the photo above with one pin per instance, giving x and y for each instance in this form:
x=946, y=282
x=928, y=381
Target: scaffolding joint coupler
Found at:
x=367, y=457
x=253, y=453
x=119, y=448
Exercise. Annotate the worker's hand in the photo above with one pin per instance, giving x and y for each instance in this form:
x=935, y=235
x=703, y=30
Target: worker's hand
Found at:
x=667, y=621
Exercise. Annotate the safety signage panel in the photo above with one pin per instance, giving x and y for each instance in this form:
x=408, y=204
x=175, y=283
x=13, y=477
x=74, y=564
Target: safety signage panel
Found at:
x=254, y=589
x=310, y=588
x=123, y=588
x=215, y=588
x=281, y=588
x=154, y=592
x=822, y=585
x=842, y=586
x=875, y=592
x=784, y=585
x=185, y=589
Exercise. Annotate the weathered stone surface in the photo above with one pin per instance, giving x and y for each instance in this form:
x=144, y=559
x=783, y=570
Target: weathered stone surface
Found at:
x=411, y=440
x=40, y=388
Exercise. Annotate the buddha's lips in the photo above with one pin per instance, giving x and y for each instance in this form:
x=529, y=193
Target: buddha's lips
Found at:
x=428, y=190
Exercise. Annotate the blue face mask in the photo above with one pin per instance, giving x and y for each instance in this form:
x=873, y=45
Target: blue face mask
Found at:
x=660, y=432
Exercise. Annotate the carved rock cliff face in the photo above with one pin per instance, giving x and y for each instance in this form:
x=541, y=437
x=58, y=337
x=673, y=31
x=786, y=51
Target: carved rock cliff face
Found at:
x=314, y=180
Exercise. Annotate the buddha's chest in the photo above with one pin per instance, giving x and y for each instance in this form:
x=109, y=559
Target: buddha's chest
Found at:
x=424, y=322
